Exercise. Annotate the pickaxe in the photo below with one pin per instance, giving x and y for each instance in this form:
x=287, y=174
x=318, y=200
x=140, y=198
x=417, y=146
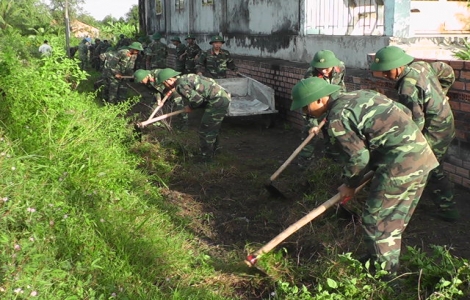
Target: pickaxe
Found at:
x=253, y=258
x=269, y=184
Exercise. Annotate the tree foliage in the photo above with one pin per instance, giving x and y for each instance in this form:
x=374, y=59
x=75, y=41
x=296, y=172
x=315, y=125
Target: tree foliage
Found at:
x=23, y=14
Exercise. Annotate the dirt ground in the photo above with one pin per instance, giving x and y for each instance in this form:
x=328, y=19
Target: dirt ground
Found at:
x=231, y=209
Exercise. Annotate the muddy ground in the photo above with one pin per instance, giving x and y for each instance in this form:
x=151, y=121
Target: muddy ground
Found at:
x=231, y=211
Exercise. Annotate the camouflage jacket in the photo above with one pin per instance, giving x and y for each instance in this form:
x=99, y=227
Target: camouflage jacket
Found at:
x=117, y=62
x=192, y=52
x=83, y=50
x=419, y=88
x=158, y=87
x=180, y=49
x=197, y=90
x=102, y=47
x=375, y=132
x=337, y=76
x=215, y=65
x=157, y=52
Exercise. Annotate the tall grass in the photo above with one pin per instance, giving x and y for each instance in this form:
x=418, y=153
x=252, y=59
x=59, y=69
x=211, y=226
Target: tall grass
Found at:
x=79, y=219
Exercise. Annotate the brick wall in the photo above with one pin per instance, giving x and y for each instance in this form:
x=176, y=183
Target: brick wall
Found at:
x=283, y=75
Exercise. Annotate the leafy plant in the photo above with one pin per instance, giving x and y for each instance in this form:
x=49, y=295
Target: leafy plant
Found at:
x=463, y=54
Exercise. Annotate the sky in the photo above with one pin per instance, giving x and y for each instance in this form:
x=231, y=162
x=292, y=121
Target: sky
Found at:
x=101, y=8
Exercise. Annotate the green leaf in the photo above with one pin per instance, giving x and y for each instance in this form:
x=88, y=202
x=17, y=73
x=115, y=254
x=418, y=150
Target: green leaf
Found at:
x=331, y=283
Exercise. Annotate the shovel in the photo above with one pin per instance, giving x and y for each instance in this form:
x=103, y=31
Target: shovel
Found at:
x=269, y=184
x=253, y=258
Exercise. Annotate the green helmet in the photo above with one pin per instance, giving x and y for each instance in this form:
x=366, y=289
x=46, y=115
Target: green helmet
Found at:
x=156, y=36
x=190, y=36
x=166, y=74
x=389, y=58
x=176, y=39
x=136, y=46
x=217, y=38
x=324, y=59
x=140, y=74
x=311, y=89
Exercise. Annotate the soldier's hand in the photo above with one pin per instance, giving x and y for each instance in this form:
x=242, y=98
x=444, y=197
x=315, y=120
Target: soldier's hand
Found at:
x=315, y=130
x=188, y=109
x=118, y=76
x=346, y=193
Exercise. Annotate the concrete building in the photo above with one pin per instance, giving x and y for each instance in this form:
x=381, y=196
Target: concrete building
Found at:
x=294, y=29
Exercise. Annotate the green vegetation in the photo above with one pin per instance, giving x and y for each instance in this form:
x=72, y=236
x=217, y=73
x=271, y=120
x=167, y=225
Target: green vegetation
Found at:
x=464, y=54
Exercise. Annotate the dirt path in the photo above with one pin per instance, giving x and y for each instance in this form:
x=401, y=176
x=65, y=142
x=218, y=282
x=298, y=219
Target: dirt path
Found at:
x=230, y=208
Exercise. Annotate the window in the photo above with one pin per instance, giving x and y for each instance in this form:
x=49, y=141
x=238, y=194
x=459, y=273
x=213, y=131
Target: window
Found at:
x=158, y=7
x=179, y=5
x=207, y=2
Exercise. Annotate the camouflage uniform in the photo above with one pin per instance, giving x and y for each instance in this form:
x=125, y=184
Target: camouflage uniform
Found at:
x=123, y=41
x=192, y=55
x=156, y=54
x=201, y=92
x=422, y=87
x=116, y=62
x=215, y=65
x=337, y=77
x=180, y=63
x=376, y=133
x=83, y=54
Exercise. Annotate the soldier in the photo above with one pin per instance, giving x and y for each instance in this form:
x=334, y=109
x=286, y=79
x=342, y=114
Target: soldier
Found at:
x=180, y=50
x=200, y=92
x=215, y=61
x=422, y=87
x=156, y=53
x=191, y=55
x=375, y=133
x=83, y=54
x=123, y=42
x=117, y=64
x=95, y=55
x=323, y=65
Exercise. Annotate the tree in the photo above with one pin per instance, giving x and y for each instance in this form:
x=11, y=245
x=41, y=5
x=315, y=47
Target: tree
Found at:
x=57, y=8
x=132, y=16
x=23, y=14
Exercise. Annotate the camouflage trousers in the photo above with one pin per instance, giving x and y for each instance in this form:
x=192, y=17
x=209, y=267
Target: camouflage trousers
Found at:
x=439, y=184
x=183, y=120
x=179, y=66
x=116, y=90
x=211, y=122
x=190, y=66
x=388, y=210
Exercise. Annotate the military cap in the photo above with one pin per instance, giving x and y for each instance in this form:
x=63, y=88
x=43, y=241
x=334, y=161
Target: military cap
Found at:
x=175, y=38
x=217, y=38
x=309, y=90
x=140, y=74
x=389, y=58
x=190, y=36
x=136, y=46
x=166, y=74
x=156, y=36
x=324, y=59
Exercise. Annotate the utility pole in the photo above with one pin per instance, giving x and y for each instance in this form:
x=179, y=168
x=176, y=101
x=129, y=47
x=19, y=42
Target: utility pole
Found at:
x=67, y=28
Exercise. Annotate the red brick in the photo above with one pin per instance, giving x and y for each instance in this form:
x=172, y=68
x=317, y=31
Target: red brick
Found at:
x=466, y=182
x=455, y=161
x=458, y=85
x=455, y=105
x=460, y=135
x=467, y=86
x=449, y=167
x=457, y=73
x=464, y=106
x=462, y=172
x=464, y=75
x=466, y=165
x=467, y=65
x=356, y=80
x=456, y=178
x=457, y=64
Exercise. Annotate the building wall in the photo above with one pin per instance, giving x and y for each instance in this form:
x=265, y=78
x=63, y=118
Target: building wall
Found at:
x=278, y=29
